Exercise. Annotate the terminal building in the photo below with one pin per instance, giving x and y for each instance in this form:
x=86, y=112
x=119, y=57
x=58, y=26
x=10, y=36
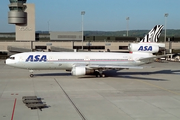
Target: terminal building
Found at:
x=25, y=38
x=70, y=41
x=66, y=36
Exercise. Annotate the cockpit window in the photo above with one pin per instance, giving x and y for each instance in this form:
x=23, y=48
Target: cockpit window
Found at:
x=12, y=58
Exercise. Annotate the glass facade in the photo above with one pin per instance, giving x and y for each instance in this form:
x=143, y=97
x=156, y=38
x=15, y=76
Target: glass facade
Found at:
x=17, y=1
x=16, y=8
x=17, y=14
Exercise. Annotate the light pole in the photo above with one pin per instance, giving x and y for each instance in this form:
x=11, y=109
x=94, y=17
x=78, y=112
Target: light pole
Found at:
x=48, y=25
x=127, y=24
x=165, y=16
x=82, y=13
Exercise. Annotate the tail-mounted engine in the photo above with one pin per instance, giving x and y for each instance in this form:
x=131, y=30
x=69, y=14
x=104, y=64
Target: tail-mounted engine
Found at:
x=143, y=48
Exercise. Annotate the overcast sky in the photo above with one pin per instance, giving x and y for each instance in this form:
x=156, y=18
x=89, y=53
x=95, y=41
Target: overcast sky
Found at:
x=101, y=15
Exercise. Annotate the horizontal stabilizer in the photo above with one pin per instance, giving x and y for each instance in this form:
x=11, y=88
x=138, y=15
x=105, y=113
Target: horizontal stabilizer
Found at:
x=151, y=59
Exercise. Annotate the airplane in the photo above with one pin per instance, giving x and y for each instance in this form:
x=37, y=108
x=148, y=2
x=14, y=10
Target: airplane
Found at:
x=85, y=63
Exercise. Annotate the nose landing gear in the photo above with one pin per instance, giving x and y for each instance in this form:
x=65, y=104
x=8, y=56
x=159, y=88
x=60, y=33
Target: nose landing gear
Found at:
x=31, y=75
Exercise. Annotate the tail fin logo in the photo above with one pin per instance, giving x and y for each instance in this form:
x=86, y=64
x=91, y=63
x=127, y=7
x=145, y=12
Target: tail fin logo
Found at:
x=154, y=34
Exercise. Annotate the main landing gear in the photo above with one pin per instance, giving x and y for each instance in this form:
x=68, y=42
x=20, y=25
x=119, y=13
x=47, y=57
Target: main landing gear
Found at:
x=100, y=74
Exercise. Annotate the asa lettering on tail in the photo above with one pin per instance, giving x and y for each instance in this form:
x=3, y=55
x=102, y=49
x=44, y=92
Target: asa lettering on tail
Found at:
x=36, y=58
x=145, y=48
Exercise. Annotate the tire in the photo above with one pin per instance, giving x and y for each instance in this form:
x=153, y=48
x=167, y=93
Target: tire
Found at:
x=103, y=75
x=177, y=59
x=31, y=75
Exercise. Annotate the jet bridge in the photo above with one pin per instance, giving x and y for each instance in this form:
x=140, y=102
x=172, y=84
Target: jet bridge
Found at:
x=60, y=49
x=13, y=50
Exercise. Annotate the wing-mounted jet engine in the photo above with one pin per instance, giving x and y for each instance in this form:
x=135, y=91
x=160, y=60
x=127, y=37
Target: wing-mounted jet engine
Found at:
x=81, y=70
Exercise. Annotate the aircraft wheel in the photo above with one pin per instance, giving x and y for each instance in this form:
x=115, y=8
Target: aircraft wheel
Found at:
x=103, y=75
x=31, y=75
x=98, y=75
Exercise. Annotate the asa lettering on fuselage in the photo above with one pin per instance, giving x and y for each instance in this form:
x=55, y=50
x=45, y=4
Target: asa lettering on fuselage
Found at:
x=37, y=58
x=145, y=48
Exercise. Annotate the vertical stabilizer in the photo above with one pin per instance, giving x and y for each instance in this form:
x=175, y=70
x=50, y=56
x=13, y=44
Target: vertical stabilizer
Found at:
x=153, y=35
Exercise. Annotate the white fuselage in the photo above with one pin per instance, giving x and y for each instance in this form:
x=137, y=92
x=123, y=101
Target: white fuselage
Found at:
x=66, y=60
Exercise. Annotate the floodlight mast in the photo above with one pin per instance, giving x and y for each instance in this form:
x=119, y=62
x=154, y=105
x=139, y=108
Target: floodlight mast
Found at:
x=127, y=25
x=48, y=25
x=165, y=17
x=82, y=13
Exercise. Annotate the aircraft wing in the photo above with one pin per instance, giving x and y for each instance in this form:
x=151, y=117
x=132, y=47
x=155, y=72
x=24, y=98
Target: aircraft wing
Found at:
x=104, y=66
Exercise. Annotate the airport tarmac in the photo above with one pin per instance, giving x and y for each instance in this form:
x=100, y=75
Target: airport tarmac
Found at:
x=147, y=94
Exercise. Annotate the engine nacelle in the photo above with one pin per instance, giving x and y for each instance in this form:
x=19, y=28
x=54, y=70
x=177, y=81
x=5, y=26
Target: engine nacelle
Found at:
x=144, y=48
x=81, y=70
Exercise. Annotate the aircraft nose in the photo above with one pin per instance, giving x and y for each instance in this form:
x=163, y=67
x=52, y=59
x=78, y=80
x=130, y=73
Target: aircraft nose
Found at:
x=8, y=62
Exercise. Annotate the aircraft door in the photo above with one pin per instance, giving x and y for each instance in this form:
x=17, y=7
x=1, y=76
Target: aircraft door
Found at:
x=51, y=63
x=87, y=60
